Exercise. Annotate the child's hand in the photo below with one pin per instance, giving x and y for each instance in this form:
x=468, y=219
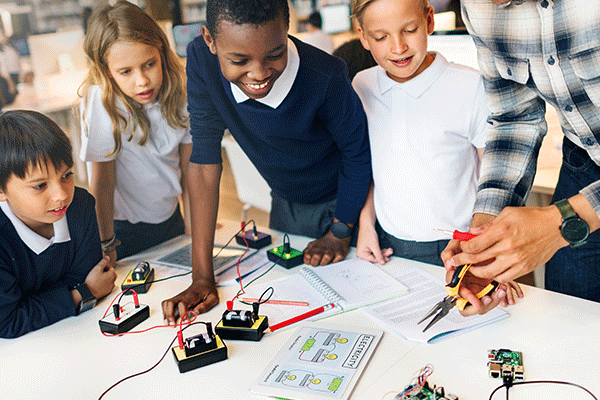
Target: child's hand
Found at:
x=200, y=297
x=471, y=284
x=101, y=279
x=112, y=255
x=367, y=246
x=512, y=288
x=325, y=250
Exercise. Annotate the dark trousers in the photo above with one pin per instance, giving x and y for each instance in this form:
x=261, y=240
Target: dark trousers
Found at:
x=427, y=252
x=141, y=236
x=576, y=271
x=312, y=220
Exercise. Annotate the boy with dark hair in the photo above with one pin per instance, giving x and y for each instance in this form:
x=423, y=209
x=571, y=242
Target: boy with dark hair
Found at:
x=51, y=264
x=293, y=111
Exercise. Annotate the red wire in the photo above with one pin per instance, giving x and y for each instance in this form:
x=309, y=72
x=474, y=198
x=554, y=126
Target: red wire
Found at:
x=238, y=265
x=144, y=330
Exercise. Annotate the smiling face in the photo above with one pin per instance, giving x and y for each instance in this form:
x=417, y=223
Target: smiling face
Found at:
x=136, y=68
x=41, y=197
x=251, y=57
x=395, y=31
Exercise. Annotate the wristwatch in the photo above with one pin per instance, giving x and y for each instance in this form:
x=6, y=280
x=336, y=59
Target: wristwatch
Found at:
x=341, y=230
x=88, y=301
x=573, y=229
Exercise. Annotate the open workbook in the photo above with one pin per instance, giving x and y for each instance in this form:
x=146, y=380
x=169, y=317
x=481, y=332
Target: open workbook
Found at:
x=402, y=314
x=347, y=284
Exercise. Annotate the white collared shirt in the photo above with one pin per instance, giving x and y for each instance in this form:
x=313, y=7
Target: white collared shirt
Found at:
x=148, y=177
x=282, y=85
x=35, y=242
x=424, y=135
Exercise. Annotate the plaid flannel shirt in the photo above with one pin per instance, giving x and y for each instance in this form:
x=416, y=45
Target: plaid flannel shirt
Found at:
x=529, y=54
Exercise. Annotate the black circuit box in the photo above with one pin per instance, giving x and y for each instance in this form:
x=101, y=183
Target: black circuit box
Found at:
x=187, y=363
x=128, y=319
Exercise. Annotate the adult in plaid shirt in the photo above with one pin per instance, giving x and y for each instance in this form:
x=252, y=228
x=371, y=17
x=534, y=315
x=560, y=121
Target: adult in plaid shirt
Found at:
x=533, y=52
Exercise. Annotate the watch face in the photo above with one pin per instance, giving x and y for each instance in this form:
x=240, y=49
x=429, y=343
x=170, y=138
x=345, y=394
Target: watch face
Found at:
x=575, y=230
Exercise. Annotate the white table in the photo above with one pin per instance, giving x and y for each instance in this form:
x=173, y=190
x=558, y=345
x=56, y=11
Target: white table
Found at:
x=557, y=334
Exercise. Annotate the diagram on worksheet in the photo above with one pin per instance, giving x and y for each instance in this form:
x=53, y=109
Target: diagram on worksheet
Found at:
x=319, y=362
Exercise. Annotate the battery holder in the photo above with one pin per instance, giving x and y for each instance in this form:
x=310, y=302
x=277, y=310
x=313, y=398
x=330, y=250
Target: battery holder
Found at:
x=198, y=351
x=139, y=279
x=285, y=256
x=255, y=239
x=124, y=318
x=242, y=325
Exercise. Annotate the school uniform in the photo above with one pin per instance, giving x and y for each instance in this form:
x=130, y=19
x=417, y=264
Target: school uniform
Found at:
x=307, y=137
x=148, y=177
x=424, y=136
x=36, y=274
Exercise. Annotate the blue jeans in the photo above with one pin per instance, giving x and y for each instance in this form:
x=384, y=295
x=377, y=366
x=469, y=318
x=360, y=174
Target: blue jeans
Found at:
x=141, y=236
x=576, y=271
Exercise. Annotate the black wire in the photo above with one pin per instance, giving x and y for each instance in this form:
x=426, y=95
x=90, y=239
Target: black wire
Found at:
x=155, y=365
x=231, y=238
x=546, y=381
x=263, y=293
x=189, y=272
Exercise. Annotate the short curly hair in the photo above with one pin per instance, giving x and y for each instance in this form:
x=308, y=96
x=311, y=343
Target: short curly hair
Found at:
x=254, y=12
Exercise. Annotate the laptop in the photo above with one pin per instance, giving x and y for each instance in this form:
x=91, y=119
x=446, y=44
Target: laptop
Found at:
x=226, y=258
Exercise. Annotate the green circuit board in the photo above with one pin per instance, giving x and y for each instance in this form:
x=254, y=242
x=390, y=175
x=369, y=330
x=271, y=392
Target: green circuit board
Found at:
x=505, y=364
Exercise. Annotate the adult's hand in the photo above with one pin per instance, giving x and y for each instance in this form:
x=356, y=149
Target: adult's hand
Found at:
x=513, y=244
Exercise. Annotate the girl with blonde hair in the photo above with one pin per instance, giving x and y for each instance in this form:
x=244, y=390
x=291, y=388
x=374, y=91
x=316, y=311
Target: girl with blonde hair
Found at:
x=135, y=130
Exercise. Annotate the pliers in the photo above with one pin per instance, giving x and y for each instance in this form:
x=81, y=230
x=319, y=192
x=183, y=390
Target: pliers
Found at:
x=453, y=299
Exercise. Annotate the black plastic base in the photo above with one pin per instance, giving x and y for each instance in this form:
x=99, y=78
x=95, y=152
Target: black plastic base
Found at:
x=258, y=242
x=138, y=286
x=129, y=319
x=286, y=260
x=254, y=333
x=186, y=364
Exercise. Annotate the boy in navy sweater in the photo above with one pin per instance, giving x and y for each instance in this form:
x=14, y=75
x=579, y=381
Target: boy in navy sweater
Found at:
x=51, y=264
x=293, y=111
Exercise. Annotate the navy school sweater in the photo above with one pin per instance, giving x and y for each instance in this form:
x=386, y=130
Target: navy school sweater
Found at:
x=34, y=289
x=311, y=149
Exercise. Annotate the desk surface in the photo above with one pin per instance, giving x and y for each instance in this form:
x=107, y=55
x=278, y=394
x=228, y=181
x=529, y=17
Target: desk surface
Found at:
x=72, y=360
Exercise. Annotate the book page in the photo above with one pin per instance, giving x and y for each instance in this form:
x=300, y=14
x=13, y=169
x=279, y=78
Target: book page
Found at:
x=319, y=362
x=358, y=282
x=403, y=313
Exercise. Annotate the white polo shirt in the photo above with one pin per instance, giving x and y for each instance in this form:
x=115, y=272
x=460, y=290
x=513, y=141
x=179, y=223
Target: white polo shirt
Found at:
x=147, y=177
x=424, y=136
x=34, y=241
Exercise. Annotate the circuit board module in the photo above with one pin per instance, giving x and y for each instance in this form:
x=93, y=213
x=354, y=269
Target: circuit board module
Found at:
x=506, y=364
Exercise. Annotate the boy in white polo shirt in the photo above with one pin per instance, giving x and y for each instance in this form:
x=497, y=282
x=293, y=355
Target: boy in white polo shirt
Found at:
x=427, y=121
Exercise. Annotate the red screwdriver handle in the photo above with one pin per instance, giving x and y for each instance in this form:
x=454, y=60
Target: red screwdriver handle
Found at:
x=462, y=236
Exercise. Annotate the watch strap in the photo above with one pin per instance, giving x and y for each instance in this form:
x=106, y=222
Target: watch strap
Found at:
x=565, y=209
x=341, y=230
x=88, y=300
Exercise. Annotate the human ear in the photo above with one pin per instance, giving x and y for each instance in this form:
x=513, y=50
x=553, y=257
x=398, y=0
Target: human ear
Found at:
x=430, y=21
x=210, y=42
x=362, y=37
x=3, y=196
